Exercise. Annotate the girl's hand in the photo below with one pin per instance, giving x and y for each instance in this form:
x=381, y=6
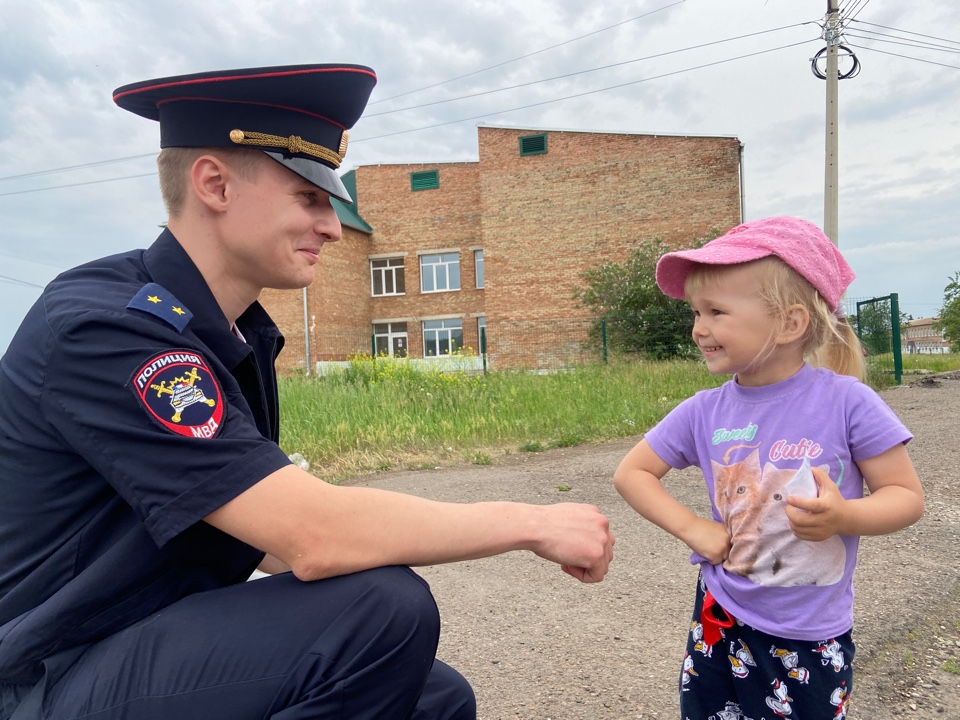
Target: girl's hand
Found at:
x=821, y=517
x=709, y=539
x=895, y=501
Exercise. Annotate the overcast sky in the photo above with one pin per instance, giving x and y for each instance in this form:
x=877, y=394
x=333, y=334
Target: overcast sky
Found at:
x=693, y=67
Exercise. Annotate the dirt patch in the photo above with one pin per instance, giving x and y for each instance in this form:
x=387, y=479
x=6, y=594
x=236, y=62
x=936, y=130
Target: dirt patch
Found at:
x=536, y=644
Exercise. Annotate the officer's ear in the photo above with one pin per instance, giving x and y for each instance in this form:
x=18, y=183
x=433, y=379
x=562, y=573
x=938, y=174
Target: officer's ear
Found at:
x=209, y=177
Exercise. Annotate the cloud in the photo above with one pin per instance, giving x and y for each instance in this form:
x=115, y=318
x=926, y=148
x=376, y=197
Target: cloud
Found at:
x=899, y=119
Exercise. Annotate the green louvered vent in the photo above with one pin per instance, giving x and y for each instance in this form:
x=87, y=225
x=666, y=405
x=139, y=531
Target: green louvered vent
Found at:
x=533, y=144
x=425, y=180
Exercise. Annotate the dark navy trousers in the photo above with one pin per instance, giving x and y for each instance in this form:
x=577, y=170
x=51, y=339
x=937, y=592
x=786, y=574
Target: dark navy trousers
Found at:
x=353, y=647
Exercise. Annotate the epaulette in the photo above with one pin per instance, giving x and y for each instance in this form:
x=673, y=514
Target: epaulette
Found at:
x=155, y=300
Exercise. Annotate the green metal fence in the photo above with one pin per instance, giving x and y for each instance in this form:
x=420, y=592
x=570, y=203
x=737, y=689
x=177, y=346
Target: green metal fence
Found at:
x=877, y=322
x=552, y=345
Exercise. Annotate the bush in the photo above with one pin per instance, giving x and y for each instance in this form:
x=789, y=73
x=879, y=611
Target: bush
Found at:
x=638, y=317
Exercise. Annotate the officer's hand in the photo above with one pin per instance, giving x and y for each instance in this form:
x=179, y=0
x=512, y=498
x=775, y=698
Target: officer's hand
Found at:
x=578, y=538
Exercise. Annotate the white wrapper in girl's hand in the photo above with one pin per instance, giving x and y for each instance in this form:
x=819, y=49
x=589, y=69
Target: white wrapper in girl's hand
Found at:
x=803, y=484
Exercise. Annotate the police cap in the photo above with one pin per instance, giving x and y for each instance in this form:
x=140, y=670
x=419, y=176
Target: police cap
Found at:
x=297, y=114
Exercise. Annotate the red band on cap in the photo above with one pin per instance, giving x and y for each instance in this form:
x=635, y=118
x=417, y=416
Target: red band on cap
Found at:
x=221, y=78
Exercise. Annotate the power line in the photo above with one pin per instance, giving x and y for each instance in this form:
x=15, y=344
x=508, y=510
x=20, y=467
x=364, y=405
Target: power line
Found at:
x=906, y=57
x=88, y=182
x=522, y=57
x=413, y=107
x=476, y=117
x=853, y=17
x=588, y=92
x=76, y=167
x=907, y=32
x=401, y=132
x=582, y=72
x=847, y=11
x=17, y=281
x=907, y=42
x=35, y=262
x=856, y=11
x=851, y=6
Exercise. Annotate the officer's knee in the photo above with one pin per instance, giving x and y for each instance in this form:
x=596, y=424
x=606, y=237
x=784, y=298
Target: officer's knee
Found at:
x=400, y=610
x=447, y=696
x=371, y=639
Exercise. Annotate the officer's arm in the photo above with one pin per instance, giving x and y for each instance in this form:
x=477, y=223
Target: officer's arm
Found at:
x=322, y=530
x=271, y=565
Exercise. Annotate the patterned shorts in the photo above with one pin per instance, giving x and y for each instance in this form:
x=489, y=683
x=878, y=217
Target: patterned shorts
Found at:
x=750, y=675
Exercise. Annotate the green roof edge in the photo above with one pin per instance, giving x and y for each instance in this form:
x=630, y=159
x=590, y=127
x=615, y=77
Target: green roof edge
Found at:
x=348, y=214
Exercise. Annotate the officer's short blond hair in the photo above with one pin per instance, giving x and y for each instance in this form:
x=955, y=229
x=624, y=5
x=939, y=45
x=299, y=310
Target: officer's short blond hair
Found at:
x=174, y=165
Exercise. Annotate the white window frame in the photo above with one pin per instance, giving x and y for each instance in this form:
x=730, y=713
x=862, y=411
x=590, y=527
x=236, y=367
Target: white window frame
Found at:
x=392, y=334
x=441, y=268
x=442, y=333
x=390, y=269
x=478, y=267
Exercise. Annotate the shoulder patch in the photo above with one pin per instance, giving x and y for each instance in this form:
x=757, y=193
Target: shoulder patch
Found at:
x=180, y=392
x=155, y=300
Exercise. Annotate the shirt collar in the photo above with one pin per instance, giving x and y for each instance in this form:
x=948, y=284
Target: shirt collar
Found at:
x=170, y=266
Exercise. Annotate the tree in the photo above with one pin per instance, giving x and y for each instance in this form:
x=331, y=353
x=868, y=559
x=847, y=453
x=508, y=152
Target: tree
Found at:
x=638, y=316
x=873, y=324
x=948, y=322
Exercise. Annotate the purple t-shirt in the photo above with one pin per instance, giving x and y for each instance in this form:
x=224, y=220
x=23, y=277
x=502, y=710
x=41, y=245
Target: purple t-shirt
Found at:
x=750, y=442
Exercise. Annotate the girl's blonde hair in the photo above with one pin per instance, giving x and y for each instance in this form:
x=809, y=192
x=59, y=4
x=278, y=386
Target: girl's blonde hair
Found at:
x=829, y=340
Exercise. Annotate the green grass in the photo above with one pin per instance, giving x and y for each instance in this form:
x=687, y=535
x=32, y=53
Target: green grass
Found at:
x=480, y=458
x=374, y=416
x=388, y=415
x=880, y=368
x=919, y=364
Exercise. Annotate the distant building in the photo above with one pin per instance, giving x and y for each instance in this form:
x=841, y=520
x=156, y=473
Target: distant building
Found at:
x=432, y=253
x=921, y=337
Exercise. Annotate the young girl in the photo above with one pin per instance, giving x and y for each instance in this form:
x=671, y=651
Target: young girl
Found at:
x=785, y=448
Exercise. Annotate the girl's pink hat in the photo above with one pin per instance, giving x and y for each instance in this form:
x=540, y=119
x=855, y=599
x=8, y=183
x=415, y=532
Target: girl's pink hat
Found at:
x=800, y=244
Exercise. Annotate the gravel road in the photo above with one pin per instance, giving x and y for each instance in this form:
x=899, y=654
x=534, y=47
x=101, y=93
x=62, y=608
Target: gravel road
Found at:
x=537, y=644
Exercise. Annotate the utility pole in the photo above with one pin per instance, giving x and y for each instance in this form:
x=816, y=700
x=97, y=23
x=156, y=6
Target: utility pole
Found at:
x=831, y=200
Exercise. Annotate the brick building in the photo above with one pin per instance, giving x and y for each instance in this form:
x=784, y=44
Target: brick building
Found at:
x=920, y=336
x=433, y=252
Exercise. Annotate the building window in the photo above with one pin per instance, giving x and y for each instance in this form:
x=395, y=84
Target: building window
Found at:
x=533, y=144
x=478, y=263
x=482, y=333
x=390, y=339
x=439, y=272
x=425, y=180
x=442, y=337
x=386, y=276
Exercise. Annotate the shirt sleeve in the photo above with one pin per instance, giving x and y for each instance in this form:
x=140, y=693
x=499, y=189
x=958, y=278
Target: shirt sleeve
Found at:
x=171, y=480
x=873, y=427
x=672, y=439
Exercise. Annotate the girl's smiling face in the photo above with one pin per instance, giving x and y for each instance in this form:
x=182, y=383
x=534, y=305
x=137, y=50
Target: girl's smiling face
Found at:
x=735, y=332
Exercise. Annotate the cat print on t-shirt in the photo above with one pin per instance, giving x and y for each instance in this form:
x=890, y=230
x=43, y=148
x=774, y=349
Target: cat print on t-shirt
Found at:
x=752, y=504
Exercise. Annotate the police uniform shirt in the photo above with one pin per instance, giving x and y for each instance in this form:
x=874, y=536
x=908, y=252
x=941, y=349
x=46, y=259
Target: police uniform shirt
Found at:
x=128, y=412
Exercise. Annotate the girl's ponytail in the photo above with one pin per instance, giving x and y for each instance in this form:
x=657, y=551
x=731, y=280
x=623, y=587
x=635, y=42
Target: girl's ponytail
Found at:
x=841, y=350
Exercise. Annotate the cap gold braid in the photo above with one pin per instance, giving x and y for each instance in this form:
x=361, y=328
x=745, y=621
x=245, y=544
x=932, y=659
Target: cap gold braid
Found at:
x=293, y=144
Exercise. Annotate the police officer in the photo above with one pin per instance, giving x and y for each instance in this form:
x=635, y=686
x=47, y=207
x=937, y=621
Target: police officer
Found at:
x=140, y=475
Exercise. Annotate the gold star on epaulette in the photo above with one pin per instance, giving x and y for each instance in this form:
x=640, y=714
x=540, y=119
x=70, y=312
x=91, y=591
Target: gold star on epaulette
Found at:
x=153, y=299
x=177, y=310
